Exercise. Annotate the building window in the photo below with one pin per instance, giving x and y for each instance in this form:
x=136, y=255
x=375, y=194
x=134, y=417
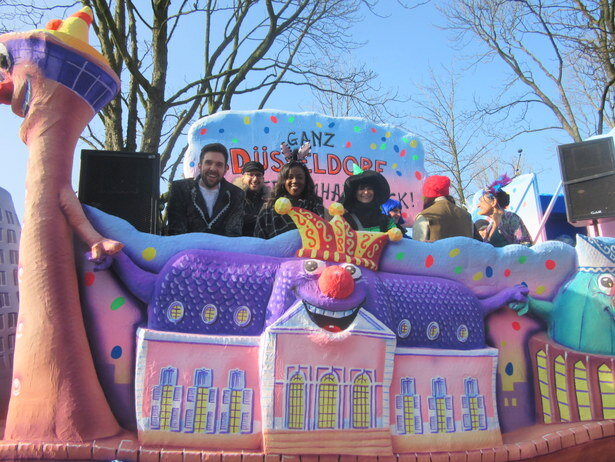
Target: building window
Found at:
x=243, y=316
x=11, y=237
x=361, y=401
x=582, y=391
x=175, y=312
x=295, y=402
x=12, y=319
x=0, y=234
x=1, y=256
x=408, y=409
x=327, y=401
x=16, y=277
x=11, y=342
x=561, y=389
x=10, y=218
x=543, y=385
x=440, y=408
x=4, y=299
x=209, y=314
x=166, y=401
x=237, y=402
x=473, y=406
x=607, y=391
x=433, y=331
x=2, y=278
x=404, y=328
x=201, y=403
x=14, y=257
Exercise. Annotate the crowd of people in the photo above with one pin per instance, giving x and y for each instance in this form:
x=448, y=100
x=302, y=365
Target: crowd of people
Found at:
x=211, y=204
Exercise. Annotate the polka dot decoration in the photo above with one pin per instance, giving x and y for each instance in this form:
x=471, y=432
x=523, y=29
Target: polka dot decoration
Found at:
x=203, y=131
x=149, y=253
x=550, y=264
x=273, y=119
x=453, y=252
x=88, y=278
x=429, y=261
x=516, y=325
x=116, y=352
x=509, y=369
x=117, y=303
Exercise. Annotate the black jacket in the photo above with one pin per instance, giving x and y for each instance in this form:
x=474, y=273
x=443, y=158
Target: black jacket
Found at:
x=269, y=223
x=187, y=212
x=253, y=204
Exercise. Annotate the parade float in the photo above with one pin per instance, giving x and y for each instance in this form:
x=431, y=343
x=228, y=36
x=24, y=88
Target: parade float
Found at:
x=322, y=343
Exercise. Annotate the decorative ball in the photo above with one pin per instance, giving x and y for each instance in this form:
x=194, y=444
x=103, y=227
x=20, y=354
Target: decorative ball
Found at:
x=282, y=206
x=395, y=234
x=336, y=209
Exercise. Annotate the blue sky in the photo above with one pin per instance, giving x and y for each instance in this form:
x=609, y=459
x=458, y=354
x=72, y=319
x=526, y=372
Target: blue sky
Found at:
x=400, y=45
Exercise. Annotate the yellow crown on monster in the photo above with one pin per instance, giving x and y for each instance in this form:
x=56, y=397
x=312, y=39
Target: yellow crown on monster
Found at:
x=336, y=241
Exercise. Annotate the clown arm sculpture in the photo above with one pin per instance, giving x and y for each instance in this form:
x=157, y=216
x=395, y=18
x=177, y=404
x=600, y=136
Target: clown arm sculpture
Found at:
x=57, y=83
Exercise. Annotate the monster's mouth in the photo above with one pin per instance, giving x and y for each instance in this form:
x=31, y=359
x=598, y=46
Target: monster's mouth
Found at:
x=332, y=321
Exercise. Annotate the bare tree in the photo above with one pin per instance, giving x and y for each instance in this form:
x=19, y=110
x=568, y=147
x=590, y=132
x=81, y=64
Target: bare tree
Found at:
x=247, y=46
x=548, y=45
x=239, y=47
x=456, y=137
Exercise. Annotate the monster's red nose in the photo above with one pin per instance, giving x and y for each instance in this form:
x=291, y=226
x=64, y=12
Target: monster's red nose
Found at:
x=336, y=282
x=6, y=91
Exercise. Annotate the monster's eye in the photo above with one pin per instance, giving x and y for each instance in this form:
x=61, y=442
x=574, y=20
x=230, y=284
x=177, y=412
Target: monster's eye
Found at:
x=5, y=58
x=354, y=271
x=606, y=283
x=313, y=266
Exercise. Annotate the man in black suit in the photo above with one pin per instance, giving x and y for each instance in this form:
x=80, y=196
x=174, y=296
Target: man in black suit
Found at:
x=207, y=203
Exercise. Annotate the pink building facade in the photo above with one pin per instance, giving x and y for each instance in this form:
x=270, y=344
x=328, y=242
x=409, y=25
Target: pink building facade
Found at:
x=198, y=390
x=322, y=387
x=437, y=404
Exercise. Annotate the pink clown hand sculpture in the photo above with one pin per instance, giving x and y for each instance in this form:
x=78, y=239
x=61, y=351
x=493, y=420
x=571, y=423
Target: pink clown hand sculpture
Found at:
x=57, y=82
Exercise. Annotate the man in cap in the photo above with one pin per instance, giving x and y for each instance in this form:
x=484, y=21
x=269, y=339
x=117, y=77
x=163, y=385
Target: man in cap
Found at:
x=252, y=182
x=440, y=217
x=207, y=203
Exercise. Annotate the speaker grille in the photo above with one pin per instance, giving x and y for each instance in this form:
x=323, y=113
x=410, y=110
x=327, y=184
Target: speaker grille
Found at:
x=592, y=199
x=587, y=159
x=124, y=184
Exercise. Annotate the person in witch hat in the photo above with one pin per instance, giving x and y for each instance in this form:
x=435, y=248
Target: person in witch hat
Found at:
x=364, y=193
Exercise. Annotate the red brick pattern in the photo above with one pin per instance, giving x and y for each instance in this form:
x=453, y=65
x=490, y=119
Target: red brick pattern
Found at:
x=126, y=448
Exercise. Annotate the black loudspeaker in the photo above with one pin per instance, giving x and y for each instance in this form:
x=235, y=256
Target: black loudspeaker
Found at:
x=124, y=184
x=588, y=173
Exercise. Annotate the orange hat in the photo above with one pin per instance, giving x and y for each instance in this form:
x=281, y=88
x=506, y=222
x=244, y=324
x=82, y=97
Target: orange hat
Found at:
x=436, y=186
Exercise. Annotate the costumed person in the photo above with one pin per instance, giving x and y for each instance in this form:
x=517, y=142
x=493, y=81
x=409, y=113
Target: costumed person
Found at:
x=364, y=193
x=505, y=227
x=392, y=208
x=252, y=181
x=441, y=217
x=296, y=184
x=207, y=203
x=480, y=229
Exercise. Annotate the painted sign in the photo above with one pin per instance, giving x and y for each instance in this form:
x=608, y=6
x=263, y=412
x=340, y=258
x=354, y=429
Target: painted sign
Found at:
x=337, y=143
